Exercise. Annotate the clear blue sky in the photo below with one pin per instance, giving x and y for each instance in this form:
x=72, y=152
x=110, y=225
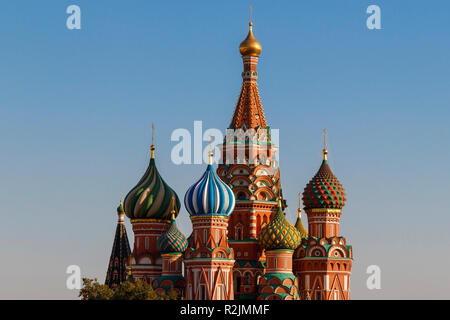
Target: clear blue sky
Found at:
x=76, y=107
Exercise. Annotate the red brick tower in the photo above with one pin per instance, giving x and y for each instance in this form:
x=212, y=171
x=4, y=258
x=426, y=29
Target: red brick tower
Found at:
x=250, y=169
x=171, y=244
x=209, y=260
x=279, y=238
x=323, y=261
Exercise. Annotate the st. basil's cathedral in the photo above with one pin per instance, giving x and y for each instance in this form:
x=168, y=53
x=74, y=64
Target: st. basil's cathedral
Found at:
x=242, y=246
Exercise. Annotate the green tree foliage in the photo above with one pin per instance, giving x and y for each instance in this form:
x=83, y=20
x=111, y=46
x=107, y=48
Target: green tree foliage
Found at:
x=138, y=290
x=172, y=294
x=128, y=290
x=92, y=290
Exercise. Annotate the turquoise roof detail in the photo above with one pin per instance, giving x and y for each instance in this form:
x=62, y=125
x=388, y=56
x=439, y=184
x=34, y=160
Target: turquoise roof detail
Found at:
x=172, y=241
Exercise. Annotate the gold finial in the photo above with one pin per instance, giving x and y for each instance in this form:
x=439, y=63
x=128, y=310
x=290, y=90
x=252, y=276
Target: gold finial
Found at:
x=325, y=151
x=121, y=196
x=152, y=147
x=299, y=210
x=279, y=202
x=210, y=153
x=172, y=212
x=250, y=46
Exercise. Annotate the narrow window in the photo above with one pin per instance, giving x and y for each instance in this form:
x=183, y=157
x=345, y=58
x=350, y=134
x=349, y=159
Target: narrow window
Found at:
x=336, y=295
x=219, y=293
x=318, y=295
x=203, y=292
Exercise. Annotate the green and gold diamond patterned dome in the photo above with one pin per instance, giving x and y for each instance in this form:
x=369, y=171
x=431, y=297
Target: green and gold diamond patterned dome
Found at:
x=151, y=197
x=279, y=233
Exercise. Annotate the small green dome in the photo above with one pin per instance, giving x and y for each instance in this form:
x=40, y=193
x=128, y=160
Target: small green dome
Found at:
x=279, y=233
x=172, y=241
x=120, y=208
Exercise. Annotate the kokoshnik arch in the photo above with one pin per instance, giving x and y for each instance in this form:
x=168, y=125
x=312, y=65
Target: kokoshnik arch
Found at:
x=242, y=246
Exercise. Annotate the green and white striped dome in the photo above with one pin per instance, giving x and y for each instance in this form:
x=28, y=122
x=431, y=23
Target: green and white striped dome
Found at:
x=151, y=197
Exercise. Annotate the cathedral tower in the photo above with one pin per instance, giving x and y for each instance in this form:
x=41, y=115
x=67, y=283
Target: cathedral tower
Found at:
x=279, y=238
x=171, y=244
x=118, y=261
x=324, y=260
x=209, y=260
x=149, y=209
x=249, y=167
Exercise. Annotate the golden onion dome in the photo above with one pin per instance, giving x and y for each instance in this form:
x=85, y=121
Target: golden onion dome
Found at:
x=250, y=46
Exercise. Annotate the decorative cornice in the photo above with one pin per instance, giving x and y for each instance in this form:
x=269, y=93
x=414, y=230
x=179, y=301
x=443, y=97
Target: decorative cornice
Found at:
x=323, y=210
x=209, y=216
x=149, y=220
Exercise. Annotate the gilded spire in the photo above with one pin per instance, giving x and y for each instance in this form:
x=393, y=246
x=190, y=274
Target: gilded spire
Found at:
x=250, y=46
x=299, y=224
x=172, y=212
x=152, y=147
x=210, y=153
x=325, y=151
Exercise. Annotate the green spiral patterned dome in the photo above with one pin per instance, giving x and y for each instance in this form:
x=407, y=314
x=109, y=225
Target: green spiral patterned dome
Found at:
x=172, y=241
x=151, y=197
x=279, y=234
x=324, y=190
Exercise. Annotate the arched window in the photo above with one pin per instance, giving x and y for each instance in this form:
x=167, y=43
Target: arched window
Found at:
x=203, y=292
x=241, y=196
x=247, y=278
x=318, y=295
x=237, y=282
x=336, y=295
x=239, y=232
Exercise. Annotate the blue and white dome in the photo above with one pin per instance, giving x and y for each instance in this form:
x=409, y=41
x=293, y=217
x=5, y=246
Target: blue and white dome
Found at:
x=210, y=195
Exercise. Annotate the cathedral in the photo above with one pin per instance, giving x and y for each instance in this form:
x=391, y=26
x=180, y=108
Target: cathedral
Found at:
x=242, y=246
